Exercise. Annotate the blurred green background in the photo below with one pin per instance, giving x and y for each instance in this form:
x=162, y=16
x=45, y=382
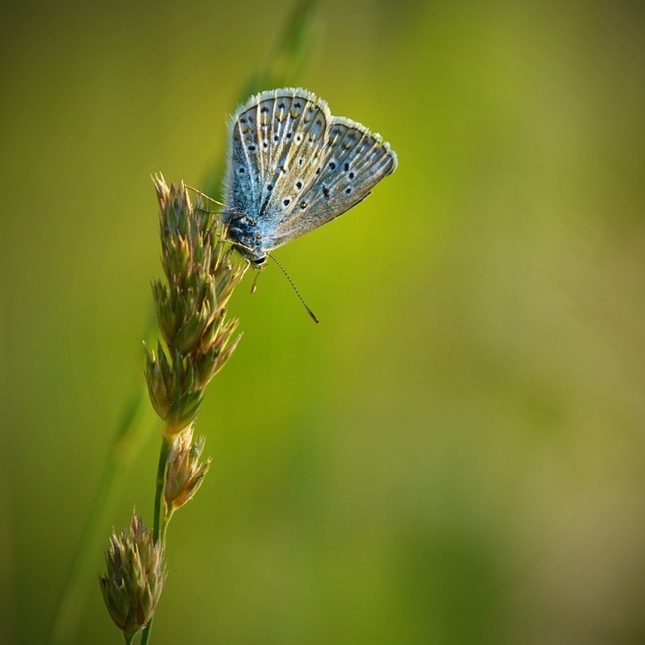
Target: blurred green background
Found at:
x=456, y=454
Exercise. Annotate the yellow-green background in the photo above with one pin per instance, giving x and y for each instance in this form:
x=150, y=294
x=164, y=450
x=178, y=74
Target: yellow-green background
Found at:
x=456, y=454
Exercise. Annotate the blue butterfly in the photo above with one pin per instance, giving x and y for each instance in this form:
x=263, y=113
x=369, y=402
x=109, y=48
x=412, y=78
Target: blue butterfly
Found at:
x=292, y=167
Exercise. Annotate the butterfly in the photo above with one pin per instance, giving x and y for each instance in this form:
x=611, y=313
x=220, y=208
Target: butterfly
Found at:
x=292, y=167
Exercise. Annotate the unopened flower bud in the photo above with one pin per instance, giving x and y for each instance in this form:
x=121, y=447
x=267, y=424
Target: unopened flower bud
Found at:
x=134, y=579
x=158, y=378
x=185, y=472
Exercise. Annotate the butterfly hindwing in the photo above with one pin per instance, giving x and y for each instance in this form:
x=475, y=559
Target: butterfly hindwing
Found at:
x=353, y=161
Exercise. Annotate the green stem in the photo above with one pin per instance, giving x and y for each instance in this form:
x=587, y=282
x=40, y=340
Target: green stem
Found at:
x=159, y=528
x=161, y=479
x=164, y=525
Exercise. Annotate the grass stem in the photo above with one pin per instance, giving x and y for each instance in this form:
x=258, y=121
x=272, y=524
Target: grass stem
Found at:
x=158, y=531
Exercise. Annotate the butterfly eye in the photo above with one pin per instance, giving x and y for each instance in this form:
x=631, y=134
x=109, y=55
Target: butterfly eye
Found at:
x=275, y=138
x=286, y=201
x=252, y=148
x=265, y=144
x=269, y=187
x=298, y=184
x=348, y=190
x=240, y=170
x=298, y=138
x=351, y=175
x=303, y=205
x=332, y=165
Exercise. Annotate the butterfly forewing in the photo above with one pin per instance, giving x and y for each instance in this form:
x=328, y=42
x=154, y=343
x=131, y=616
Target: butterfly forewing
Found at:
x=353, y=161
x=246, y=162
x=277, y=140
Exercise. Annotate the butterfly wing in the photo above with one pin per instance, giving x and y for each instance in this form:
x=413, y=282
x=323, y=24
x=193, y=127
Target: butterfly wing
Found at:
x=276, y=142
x=351, y=163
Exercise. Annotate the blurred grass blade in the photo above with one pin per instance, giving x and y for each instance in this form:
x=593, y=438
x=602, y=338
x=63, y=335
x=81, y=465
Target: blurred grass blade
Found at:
x=137, y=421
x=294, y=50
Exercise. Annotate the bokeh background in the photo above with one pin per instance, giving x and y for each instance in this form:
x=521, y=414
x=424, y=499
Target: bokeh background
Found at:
x=456, y=454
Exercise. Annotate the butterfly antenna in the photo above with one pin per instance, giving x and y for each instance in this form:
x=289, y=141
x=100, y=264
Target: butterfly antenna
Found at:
x=311, y=313
x=205, y=196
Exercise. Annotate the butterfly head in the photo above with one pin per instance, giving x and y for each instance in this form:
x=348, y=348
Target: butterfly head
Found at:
x=252, y=254
x=243, y=233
